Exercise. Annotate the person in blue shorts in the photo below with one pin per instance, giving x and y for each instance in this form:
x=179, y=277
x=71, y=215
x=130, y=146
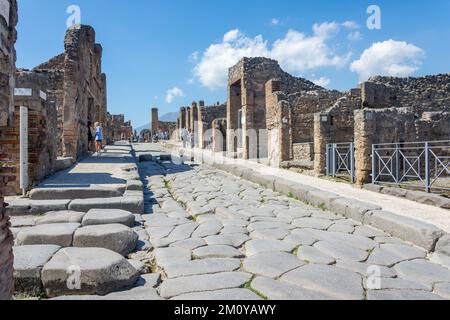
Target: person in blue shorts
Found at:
x=98, y=137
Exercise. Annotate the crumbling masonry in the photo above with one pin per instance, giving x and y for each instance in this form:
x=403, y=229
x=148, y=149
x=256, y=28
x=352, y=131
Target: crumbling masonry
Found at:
x=8, y=36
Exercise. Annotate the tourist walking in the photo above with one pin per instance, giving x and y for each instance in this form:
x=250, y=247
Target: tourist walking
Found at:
x=98, y=137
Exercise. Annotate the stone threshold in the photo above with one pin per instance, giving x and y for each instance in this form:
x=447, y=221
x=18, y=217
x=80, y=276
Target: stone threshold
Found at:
x=421, y=233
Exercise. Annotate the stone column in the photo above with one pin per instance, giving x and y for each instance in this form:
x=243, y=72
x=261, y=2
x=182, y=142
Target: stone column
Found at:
x=155, y=120
x=188, y=118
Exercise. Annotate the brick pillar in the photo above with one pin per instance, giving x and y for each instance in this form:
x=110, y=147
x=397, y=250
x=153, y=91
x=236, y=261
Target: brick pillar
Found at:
x=364, y=139
x=322, y=122
x=155, y=120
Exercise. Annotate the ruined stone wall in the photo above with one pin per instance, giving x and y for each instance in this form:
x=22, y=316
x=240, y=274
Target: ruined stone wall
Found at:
x=206, y=117
x=8, y=34
x=117, y=121
x=168, y=127
x=400, y=110
x=84, y=88
x=335, y=125
x=219, y=135
x=42, y=130
x=247, y=92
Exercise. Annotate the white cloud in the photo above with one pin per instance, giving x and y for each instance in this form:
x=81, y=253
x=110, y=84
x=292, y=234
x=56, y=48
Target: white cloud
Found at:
x=173, y=93
x=194, y=56
x=322, y=81
x=388, y=58
x=350, y=25
x=231, y=35
x=355, y=36
x=297, y=52
x=275, y=21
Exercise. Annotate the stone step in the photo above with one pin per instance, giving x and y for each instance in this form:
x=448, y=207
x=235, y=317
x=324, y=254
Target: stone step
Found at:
x=75, y=193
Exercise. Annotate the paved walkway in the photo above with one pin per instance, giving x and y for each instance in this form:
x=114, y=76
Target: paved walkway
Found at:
x=429, y=214
x=220, y=237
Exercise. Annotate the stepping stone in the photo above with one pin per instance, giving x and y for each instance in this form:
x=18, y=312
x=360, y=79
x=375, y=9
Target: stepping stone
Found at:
x=207, y=229
x=422, y=271
x=164, y=256
x=28, y=264
x=203, y=266
x=115, y=237
x=254, y=247
x=391, y=254
x=87, y=271
x=108, y=216
x=312, y=223
x=24, y=221
x=61, y=217
x=227, y=280
x=271, y=264
x=59, y=234
x=342, y=252
x=331, y=281
x=218, y=251
x=234, y=240
x=402, y=295
x=270, y=234
x=313, y=255
x=220, y=295
x=278, y=290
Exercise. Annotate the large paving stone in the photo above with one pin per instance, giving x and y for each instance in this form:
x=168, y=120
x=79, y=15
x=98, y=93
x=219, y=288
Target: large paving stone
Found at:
x=254, y=247
x=190, y=244
x=401, y=295
x=220, y=295
x=115, y=237
x=87, y=271
x=227, y=280
x=391, y=254
x=313, y=255
x=331, y=281
x=422, y=271
x=165, y=256
x=342, y=252
x=206, y=229
x=278, y=290
x=217, y=251
x=270, y=234
x=60, y=234
x=183, y=232
x=398, y=284
x=271, y=264
x=312, y=223
x=443, y=245
x=365, y=269
x=358, y=242
x=234, y=240
x=60, y=217
x=443, y=290
x=421, y=234
x=28, y=264
x=108, y=216
x=203, y=266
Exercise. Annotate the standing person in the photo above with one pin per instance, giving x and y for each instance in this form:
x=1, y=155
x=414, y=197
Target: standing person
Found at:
x=90, y=137
x=98, y=137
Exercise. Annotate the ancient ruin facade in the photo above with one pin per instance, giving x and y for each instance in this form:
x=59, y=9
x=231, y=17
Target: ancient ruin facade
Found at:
x=118, y=128
x=78, y=88
x=205, y=126
x=8, y=34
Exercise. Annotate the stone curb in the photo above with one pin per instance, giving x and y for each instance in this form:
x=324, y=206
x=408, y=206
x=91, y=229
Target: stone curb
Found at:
x=419, y=233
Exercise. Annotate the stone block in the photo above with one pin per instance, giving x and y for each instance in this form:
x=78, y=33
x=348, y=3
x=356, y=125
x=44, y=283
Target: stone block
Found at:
x=108, y=216
x=60, y=234
x=352, y=208
x=134, y=185
x=88, y=271
x=420, y=233
x=28, y=264
x=321, y=198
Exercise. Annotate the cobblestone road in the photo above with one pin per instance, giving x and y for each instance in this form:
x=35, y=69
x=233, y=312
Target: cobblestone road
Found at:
x=220, y=237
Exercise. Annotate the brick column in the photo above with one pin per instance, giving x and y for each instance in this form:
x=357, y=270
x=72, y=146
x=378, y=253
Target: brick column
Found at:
x=155, y=120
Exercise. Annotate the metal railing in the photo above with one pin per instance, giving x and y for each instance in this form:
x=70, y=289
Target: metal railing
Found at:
x=340, y=160
x=417, y=164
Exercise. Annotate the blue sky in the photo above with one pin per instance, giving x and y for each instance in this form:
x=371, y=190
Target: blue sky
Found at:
x=153, y=46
